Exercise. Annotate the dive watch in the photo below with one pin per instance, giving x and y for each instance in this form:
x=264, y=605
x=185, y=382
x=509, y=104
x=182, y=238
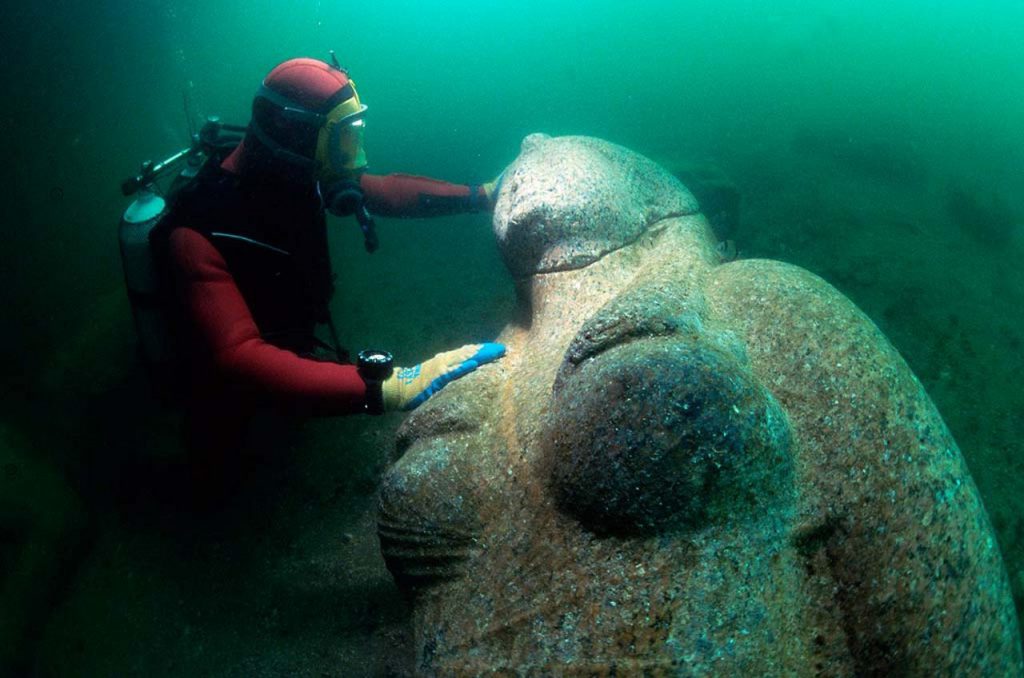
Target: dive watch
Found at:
x=374, y=367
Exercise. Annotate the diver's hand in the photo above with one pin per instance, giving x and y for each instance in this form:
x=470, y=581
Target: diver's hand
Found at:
x=492, y=189
x=408, y=387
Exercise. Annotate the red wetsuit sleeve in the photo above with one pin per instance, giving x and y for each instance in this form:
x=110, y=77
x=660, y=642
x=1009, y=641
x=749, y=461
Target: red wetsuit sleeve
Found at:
x=405, y=195
x=227, y=335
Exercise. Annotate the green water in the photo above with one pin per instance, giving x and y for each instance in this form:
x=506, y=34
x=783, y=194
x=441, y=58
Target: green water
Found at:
x=876, y=144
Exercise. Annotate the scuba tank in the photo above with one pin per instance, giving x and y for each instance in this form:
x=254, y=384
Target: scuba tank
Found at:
x=141, y=278
x=142, y=275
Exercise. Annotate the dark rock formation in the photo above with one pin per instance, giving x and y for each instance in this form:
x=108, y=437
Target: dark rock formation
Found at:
x=719, y=198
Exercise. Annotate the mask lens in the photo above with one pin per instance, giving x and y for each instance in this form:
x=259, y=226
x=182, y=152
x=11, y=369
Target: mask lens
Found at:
x=350, y=143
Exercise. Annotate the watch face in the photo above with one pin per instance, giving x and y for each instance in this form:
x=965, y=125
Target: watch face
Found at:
x=375, y=357
x=375, y=364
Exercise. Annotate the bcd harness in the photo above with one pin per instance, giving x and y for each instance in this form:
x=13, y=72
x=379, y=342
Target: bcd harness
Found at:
x=274, y=241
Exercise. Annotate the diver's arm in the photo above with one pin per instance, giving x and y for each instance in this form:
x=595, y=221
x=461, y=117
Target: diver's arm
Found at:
x=405, y=195
x=228, y=337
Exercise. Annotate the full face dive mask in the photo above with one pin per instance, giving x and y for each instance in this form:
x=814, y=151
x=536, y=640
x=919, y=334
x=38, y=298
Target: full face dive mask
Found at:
x=310, y=95
x=342, y=159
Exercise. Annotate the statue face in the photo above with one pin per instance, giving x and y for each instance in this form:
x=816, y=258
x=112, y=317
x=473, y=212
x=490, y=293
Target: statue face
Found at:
x=566, y=202
x=681, y=465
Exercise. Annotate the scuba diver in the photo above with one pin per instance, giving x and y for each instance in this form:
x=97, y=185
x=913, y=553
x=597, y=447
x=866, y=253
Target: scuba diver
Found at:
x=243, y=247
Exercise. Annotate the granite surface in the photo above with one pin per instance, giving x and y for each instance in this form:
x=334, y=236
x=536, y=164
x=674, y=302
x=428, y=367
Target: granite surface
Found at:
x=683, y=466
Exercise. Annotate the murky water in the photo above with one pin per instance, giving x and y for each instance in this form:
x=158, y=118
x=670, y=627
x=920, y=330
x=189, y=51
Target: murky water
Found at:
x=876, y=144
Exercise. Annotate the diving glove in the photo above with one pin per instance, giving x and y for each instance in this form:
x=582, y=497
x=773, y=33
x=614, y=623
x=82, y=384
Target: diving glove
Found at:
x=492, y=188
x=408, y=387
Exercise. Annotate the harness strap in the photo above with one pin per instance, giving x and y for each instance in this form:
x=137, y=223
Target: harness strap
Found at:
x=278, y=151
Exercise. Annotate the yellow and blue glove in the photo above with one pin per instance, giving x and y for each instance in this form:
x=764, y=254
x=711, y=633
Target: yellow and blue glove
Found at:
x=408, y=387
x=491, y=190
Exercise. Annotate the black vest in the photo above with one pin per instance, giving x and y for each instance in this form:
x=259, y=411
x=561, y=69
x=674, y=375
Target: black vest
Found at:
x=273, y=237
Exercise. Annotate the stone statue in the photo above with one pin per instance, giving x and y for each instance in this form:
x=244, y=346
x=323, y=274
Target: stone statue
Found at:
x=683, y=466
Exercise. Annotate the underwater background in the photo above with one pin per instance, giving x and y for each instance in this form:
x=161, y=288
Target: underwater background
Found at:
x=878, y=145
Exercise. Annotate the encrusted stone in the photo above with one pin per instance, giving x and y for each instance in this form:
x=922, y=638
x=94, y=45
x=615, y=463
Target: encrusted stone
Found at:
x=683, y=466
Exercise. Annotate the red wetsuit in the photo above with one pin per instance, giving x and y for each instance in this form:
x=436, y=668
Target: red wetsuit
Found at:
x=236, y=361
